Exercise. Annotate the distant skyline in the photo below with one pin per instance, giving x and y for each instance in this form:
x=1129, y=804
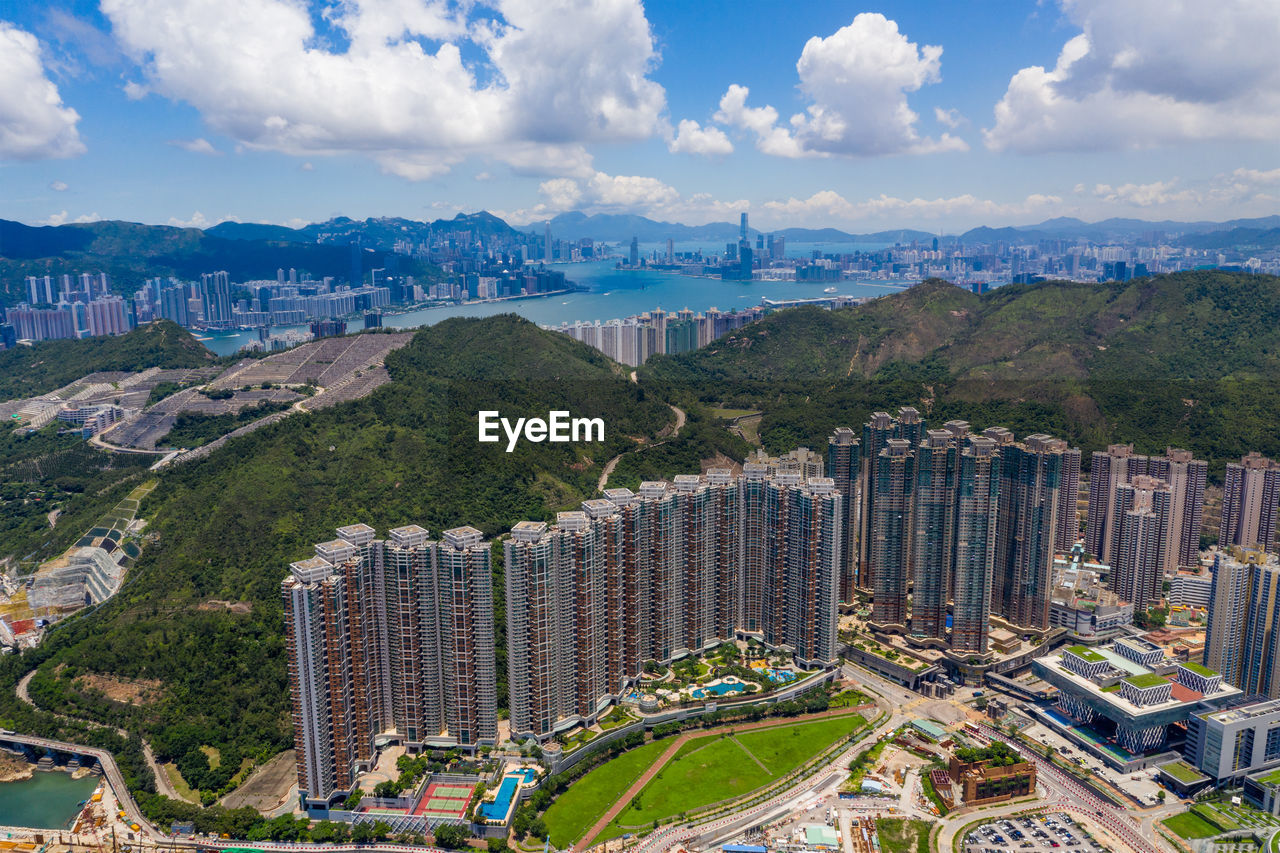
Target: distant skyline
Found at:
x=938, y=116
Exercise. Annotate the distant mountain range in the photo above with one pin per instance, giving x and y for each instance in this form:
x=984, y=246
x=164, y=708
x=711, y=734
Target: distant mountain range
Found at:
x=131, y=252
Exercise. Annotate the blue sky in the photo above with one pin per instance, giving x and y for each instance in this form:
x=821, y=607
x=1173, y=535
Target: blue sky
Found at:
x=913, y=114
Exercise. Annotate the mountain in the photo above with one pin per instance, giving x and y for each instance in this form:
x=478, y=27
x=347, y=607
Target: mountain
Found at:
x=48, y=365
x=620, y=228
x=227, y=527
x=1189, y=359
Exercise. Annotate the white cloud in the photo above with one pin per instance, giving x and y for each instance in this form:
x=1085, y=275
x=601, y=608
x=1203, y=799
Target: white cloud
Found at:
x=34, y=123
x=63, y=218
x=197, y=220
x=604, y=193
x=828, y=205
x=199, y=145
x=1156, y=193
x=135, y=91
x=59, y=186
x=856, y=81
x=690, y=138
x=949, y=118
x=1148, y=72
x=307, y=167
x=1243, y=192
x=553, y=77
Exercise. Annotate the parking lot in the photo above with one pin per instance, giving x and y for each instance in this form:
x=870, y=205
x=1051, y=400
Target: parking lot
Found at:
x=1051, y=833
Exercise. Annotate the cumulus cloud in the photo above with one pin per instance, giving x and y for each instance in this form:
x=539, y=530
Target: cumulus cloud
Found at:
x=307, y=167
x=605, y=193
x=551, y=78
x=34, y=123
x=949, y=118
x=829, y=205
x=1242, y=192
x=690, y=138
x=197, y=220
x=63, y=218
x=1145, y=195
x=1148, y=72
x=199, y=145
x=59, y=186
x=856, y=81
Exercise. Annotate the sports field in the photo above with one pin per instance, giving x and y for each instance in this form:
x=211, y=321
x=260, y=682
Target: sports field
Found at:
x=587, y=799
x=448, y=801
x=719, y=767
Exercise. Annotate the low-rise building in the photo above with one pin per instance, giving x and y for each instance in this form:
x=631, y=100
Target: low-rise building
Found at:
x=991, y=775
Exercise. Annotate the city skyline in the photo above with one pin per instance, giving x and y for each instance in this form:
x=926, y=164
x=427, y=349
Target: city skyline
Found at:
x=422, y=110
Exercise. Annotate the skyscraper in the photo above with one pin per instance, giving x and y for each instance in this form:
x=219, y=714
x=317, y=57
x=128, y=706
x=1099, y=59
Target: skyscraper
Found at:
x=875, y=435
x=889, y=532
x=1250, y=496
x=1025, y=535
x=844, y=464
x=1186, y=478
x=1106, y=472
x=676, y=569
x=389, y=639
x=1242, y=640
x=634, y=257
x=1142, y=512
x=1068, y=524
x=742, y=227
x=977, y=501
x=933, y=535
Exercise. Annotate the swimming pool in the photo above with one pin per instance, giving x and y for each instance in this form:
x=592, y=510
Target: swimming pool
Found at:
x=718, y=689
x=497, y=810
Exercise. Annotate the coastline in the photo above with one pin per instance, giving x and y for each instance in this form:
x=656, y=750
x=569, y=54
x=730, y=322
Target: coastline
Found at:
x=14, y=768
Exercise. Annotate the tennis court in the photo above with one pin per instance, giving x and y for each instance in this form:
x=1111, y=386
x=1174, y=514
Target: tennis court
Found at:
x=444, y=801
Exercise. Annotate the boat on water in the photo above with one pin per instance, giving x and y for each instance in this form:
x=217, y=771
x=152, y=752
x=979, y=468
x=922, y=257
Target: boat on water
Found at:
x=829, y=290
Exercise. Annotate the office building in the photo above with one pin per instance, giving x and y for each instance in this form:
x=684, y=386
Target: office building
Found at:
x=1243, y=634
x=671, y=570
x=1250, y=495
x=388, y=641
x=1230, y=744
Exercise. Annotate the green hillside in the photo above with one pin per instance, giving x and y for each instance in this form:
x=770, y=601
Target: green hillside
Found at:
x=48, y=365
x=1188, y=359
x=229, y=525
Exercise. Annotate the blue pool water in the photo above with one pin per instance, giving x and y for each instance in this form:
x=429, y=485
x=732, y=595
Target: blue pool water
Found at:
x=497, y=810
x=527, y=774
x=781, y=676
x=718, y=689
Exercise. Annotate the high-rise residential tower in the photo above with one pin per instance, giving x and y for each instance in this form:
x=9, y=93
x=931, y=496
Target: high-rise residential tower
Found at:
x=890, y=531
x=844, y=462
x=1250, y=498
x=977, y=500
x=934, y=531
x=1142, y=512
x=1025, y=536
x=1243, y=635
x=388, y=639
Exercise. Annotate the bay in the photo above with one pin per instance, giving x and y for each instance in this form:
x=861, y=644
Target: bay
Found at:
x=48, y=800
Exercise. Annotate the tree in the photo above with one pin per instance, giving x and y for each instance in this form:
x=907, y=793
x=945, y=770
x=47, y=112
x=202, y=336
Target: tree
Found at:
x=498, y=845
x=451, y=836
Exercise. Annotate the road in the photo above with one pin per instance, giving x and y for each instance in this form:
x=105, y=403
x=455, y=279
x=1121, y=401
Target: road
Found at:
x=163, y=785
x=681, y=418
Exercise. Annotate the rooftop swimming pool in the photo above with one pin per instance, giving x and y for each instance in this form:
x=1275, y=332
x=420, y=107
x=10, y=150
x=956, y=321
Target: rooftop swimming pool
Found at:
x=718, y=689
x=497, y=810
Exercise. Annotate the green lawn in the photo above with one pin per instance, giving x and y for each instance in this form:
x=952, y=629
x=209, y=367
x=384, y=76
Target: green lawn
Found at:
x=709, y=770
x=587, y=799
x=1190, y=826
x=899, y=835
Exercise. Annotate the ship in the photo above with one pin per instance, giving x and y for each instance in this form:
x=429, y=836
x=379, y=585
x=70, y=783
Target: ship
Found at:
x=829, y=290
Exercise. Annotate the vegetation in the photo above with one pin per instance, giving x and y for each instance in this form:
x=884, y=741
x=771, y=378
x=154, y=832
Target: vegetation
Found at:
x=48, y=365
x=903, y=835
x=1184, y=359
x=998, y=754
x=1190, y=826
x=577, y=809
x=192, y=429
x=727, y=766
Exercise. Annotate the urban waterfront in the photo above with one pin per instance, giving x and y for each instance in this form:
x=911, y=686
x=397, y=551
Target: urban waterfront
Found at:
x=48, y=800
x=610, y=293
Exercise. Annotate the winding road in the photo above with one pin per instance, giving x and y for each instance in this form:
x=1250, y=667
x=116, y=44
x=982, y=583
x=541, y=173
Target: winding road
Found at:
x=681, y=418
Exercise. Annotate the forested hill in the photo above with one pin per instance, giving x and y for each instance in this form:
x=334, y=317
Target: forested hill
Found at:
x=48, y=365
x=1192, y=325
x=1189, y=359
x=228, y=526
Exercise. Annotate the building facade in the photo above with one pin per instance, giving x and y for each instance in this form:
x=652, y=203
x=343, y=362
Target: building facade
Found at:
x=388, y=641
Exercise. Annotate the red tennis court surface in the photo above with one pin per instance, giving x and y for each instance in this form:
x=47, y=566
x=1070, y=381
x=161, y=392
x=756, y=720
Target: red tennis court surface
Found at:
x=446, y=801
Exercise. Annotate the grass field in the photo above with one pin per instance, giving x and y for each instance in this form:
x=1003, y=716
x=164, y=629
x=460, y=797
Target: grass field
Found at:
x=899, y=835
x=708, y=770
x=1189, y=826
x=587, y=799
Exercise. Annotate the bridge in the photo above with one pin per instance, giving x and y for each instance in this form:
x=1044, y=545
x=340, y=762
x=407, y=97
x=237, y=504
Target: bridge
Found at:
x=108, y=763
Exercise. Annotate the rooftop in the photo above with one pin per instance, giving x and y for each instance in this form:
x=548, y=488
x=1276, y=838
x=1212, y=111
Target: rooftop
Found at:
x=1086, y=653
x=1198, y=669
x=1183, y=772
x=1146, y=680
